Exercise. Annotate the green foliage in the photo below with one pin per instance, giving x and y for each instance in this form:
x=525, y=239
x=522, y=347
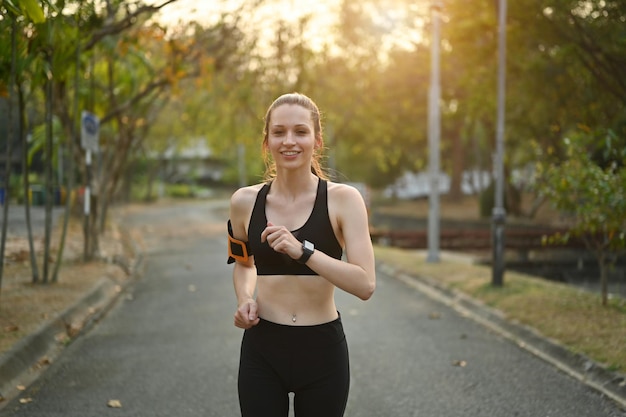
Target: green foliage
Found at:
x=179, y=190
x=38, y=141
x=592, y=197
x=565, y=68
x=28, y=8
x=371, y=80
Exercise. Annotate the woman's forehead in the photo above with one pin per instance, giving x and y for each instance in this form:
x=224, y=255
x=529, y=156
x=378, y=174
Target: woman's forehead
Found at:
x=290, y=114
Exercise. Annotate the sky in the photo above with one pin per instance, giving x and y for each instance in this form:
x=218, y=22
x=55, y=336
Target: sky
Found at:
x=323, y=13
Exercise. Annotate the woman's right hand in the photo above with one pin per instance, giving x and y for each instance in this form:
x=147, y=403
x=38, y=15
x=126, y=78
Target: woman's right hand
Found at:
x=246, y=315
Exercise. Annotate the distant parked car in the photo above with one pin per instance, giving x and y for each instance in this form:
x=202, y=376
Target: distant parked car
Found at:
x=414, y=185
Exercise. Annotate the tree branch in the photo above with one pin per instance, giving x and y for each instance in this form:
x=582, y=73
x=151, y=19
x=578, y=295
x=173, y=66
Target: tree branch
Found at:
x=129, y=20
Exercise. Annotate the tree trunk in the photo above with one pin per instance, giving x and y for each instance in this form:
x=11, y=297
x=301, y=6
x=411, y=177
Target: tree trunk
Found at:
x=48, y=167
x=26, y=187
x=73, y=136
x=7, y=167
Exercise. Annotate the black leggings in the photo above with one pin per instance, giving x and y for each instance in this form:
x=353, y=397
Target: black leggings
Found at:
x=310, y=361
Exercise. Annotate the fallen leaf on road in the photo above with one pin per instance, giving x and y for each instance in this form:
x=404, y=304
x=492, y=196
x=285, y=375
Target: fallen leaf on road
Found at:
x=73, y=329
x=434, y=315
x=114, y=404
x=461, y=364
x=20, y=387
x=11, y=328
x=62, y=338
x=26, y=400
x=44, y=361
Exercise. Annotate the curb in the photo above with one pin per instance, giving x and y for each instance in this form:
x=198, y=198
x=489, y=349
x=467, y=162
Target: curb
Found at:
x=608, y=383
x=24, y=362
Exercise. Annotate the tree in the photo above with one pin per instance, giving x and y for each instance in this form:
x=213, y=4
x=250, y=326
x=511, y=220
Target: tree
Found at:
x=567, y=71
x=589, y=188
x=33, y=12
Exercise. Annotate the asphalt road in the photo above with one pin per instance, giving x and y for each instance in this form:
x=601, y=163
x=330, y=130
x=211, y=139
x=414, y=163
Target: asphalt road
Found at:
x=169, y=347
x=16, y=226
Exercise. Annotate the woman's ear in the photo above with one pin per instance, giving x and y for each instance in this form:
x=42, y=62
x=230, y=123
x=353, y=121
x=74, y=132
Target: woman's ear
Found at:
x=319, y=143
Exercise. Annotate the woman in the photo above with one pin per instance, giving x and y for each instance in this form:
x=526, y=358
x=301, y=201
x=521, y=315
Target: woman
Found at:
x=288, y=236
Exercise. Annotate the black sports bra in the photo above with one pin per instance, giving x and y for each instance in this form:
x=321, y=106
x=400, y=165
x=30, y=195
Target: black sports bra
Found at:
x=317, y=230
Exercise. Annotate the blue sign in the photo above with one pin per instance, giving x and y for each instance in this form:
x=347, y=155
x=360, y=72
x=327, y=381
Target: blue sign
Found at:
x=90, y=131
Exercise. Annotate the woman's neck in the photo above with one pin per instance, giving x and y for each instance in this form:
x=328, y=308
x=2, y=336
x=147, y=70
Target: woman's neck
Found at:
x=292, y=186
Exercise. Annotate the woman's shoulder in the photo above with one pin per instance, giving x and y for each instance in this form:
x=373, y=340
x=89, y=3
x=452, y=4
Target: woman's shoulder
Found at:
x=342, y=189
x=245, y=196
x=346, y=193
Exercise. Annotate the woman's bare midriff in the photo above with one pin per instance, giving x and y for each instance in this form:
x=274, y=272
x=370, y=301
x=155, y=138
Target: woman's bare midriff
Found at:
x=296, y=300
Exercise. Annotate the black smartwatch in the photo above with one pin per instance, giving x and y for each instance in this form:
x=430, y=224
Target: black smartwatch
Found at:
x=307, y=251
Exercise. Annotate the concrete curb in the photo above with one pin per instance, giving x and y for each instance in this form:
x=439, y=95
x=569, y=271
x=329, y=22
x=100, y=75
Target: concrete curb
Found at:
x=608, y=383
x=25, y=361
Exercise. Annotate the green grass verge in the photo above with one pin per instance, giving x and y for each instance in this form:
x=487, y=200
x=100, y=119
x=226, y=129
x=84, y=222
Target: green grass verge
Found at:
x=573, y=317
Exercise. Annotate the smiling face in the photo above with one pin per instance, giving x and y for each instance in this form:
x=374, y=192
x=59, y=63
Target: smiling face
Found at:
x=291, y=137
x=298, y=118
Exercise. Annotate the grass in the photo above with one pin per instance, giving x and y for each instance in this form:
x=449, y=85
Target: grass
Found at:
x=573, y=317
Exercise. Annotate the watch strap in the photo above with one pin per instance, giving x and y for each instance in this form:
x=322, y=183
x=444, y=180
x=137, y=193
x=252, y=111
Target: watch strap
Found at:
x=307, y=251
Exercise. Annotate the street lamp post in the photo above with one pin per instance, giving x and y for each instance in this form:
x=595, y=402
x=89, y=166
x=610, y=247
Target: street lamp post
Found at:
x=499, y=212
x=434, y=132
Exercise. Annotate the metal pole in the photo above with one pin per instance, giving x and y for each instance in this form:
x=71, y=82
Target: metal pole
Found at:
x=499, y=212
x=87, y=207
x=434, y=122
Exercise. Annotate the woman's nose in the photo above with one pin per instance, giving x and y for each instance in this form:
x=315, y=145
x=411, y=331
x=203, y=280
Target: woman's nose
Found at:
x=289, y=138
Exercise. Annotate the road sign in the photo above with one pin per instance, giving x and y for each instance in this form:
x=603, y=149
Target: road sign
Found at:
x=90, y=131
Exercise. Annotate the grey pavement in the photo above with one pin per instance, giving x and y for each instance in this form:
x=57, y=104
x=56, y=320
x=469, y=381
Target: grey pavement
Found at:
x=16, y=225
x=169, y=348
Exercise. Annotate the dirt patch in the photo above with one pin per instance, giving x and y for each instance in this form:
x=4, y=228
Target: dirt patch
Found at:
x=25, y=306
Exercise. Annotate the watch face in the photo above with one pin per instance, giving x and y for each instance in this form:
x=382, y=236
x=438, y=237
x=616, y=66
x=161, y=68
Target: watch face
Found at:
x=308, y=245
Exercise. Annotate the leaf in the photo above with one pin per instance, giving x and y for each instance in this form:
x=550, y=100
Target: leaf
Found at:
x=33, y=10
x=459, y=363
x=114, y=404
x=26, y=400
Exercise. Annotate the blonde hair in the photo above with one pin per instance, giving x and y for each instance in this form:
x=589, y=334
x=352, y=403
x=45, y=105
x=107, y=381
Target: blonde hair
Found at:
x=307, y=103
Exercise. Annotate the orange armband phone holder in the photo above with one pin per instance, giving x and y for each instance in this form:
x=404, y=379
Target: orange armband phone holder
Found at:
x=238, y=250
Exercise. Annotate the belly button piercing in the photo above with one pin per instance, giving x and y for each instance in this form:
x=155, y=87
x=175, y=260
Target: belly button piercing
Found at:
x=293, y=318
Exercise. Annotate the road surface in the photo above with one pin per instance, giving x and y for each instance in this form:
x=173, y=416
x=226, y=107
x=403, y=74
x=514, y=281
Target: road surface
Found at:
x=169, y=348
